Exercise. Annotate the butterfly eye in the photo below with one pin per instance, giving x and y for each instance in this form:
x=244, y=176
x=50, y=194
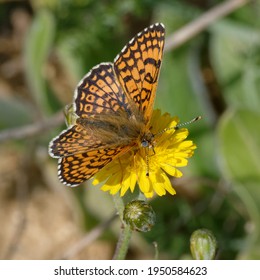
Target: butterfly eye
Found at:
x=145, y=143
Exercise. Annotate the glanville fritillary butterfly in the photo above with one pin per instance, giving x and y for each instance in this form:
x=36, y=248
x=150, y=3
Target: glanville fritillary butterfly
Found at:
x=113, y=104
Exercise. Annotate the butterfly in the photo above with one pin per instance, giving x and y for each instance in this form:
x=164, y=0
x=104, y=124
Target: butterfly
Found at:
x=113, y=105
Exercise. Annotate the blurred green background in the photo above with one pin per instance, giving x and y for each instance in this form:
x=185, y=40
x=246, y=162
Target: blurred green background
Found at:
x=45, y=49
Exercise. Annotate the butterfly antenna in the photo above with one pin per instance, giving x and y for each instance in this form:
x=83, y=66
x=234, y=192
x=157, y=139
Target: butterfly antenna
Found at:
x=179, y=125
x=189, y=122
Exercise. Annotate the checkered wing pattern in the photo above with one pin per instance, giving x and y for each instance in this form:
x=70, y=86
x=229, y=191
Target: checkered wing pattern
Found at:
x=138, y=65
x=75, y=169
x=100, y=92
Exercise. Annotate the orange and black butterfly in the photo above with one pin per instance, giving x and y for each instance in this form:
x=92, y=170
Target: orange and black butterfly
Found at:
x=113, y=105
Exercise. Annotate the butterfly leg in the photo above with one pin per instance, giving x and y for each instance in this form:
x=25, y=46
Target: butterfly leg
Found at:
x=147, y=162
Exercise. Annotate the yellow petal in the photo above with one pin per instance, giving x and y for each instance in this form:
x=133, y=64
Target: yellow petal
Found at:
x=169, y=169
x=125, y=185
x=168, y=185
x=115, y=189
x=159, y=188
x=149, y=194
x=181, y=162
x=144, y=183
x=132, y=182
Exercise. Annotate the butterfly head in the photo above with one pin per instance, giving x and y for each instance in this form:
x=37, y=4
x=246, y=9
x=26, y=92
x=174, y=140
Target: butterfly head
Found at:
x=147, y=140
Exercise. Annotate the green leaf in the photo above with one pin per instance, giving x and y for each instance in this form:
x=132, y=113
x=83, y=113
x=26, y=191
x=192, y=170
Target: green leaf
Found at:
x=249, y=194
x=239, y=144
x=38, y=43
x=13, y=113
x=235, y=57
x=232, y=44
x=251, y=87
x=72, y=61
x=239, y=153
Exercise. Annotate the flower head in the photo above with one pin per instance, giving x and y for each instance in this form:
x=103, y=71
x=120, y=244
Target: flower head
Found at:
x=169, y=152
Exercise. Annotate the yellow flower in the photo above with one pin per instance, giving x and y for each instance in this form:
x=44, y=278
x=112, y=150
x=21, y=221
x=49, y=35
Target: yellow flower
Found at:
x=170, y=151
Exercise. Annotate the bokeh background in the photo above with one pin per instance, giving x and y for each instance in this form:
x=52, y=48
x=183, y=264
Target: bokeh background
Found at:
x=45, y=49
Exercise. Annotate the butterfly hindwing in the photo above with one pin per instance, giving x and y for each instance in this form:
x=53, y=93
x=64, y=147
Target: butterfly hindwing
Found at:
x=73, y=140
x=75, y=169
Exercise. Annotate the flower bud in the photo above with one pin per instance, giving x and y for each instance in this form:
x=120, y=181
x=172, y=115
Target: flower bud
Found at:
x=139, y=215
x=203, y=245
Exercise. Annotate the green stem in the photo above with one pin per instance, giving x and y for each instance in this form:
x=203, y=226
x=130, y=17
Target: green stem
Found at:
x=125, y=236
x=119, y=205
x=141, y=196
x=123, y=243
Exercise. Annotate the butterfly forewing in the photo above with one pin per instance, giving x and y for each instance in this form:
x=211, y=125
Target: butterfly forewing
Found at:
x=100, y=92
x=138, y=65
